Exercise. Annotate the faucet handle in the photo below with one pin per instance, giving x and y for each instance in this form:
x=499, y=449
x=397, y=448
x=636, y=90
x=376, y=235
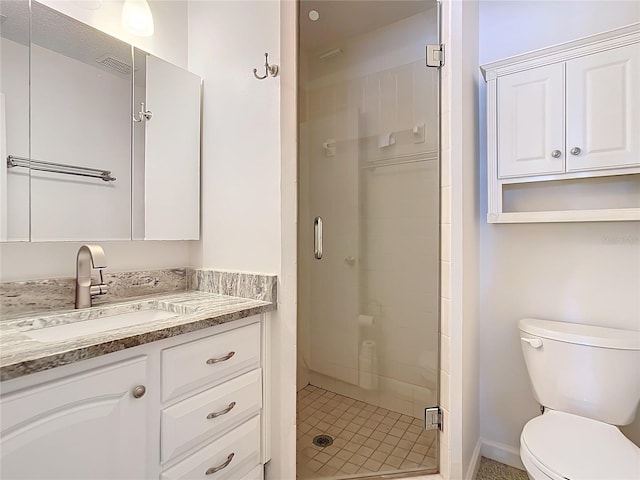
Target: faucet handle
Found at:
x=97, y=290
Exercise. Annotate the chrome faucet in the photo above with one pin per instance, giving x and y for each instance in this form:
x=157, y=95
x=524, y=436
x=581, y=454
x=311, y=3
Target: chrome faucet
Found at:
x=89, y=256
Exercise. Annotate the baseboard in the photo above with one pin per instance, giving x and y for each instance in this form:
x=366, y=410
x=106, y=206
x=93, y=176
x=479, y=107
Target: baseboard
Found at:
x=474, y=464
x=501, y=452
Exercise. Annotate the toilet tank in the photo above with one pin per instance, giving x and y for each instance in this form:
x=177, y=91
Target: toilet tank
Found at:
x=589, y=371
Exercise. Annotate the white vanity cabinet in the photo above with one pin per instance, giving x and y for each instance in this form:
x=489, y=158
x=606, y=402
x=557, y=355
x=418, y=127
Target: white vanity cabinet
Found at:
x=88, y=425
x=564, y=113
x=215, y=433
x=186, y=407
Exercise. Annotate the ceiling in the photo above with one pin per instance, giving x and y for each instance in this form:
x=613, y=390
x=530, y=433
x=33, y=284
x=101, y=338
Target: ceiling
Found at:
x=341, y=19
x=55, y=31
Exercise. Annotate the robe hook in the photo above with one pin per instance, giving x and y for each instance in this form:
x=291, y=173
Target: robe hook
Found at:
x=268, y=69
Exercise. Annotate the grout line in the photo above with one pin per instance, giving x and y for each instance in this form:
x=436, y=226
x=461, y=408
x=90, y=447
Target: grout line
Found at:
x=324, y=409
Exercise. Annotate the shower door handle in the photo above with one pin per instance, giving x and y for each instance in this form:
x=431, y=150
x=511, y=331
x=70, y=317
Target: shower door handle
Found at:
x=317, y=238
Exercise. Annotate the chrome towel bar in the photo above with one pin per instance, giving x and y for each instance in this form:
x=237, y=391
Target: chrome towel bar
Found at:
x=41, y=165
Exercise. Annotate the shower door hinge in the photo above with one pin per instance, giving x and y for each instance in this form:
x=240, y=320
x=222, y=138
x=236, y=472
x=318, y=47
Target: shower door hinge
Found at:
x=435, y=55
x=432, y=418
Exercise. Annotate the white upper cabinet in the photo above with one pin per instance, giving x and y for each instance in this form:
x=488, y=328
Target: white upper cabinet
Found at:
x=603, y=110
x=531, y=122
x=563, y=131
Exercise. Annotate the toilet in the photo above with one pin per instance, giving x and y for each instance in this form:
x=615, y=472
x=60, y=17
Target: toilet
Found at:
x=587, y=379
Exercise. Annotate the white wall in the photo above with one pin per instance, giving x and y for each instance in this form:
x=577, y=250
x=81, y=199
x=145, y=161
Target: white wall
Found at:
x=23, y=261
x=241, y=133
x=459, y=389
x=242, y=186
x=585, y=273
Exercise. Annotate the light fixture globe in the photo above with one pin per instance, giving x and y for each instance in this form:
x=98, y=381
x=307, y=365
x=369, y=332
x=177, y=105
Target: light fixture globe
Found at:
x=137, y=18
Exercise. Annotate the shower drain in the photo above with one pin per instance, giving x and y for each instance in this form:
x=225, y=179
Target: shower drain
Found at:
x=322, y=440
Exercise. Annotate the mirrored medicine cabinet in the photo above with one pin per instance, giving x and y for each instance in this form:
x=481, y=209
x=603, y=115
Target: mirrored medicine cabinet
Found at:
x=99, y=139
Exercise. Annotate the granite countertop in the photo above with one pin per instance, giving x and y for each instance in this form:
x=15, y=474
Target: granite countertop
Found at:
x=194, y=310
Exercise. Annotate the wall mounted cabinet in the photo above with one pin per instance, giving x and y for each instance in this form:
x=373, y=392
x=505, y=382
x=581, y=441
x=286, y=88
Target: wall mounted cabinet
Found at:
x=557, y=119
x=99, y=140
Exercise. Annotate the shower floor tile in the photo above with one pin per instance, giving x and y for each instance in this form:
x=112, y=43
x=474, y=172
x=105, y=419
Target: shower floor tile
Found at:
x=367, y=440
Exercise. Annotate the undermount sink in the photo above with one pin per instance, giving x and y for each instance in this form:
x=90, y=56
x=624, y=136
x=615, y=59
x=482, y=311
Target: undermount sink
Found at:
x=81, y=328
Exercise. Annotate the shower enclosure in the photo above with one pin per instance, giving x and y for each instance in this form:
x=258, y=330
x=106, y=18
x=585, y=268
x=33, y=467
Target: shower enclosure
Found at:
x=368, y=238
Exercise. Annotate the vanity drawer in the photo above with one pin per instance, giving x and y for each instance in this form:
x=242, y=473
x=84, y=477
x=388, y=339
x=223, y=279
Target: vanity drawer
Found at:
x=210, y=413
x=214, y=359
x=230, y=457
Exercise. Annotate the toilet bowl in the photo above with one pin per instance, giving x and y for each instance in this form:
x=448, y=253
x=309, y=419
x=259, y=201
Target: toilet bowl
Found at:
x=588, y=380
x=560, y=446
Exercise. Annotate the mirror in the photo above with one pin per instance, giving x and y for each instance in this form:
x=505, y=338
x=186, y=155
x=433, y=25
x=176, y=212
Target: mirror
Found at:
x=14, y=118
x=88, y=163
x=166, y=161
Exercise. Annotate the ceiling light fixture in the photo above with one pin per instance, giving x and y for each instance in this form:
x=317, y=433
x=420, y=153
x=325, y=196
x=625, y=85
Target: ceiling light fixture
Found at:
x=314, y=15
x=137, y=18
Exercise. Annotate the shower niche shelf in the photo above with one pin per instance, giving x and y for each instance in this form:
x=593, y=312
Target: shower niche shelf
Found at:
x=562, y=123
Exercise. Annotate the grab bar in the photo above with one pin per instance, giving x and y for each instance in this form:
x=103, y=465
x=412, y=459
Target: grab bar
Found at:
x=317, y=238
x=42, y=166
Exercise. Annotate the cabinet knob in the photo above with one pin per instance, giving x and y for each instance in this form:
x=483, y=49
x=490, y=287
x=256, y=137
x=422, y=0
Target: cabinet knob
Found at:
x=576, y=151
x=556, y=154
x=139, y=391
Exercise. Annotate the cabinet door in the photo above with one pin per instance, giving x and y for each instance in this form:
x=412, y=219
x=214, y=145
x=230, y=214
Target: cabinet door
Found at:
x=603, y=110
x=531, y=122
x=81, y=427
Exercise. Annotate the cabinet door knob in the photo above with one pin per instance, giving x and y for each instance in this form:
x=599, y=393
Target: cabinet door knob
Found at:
x=213, y=470
x=139, y=391
x=556, y=154
x=576, y=151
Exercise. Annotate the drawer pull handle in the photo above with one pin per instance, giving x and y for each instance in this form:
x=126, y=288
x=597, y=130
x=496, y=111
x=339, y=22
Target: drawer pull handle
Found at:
x=221, y=412
x=213, y=470
x=211, y=361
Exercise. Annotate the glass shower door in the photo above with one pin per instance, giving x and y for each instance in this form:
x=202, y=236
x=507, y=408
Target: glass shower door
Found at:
x=368, y=285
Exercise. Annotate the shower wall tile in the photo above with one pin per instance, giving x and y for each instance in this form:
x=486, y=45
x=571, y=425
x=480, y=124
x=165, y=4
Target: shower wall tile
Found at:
x=405, y=98
x=445, y=450
x=445, y=313
x=445, y=205
x=444, y=390
x=445, y=355
x=388, y=102
x=445, y=279
x=445, y=242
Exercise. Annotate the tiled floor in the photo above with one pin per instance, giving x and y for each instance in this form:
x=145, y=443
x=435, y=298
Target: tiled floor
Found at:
x=367, y=439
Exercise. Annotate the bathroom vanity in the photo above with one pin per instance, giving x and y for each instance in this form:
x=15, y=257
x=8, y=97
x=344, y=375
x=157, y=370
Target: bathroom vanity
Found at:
x=179, y=394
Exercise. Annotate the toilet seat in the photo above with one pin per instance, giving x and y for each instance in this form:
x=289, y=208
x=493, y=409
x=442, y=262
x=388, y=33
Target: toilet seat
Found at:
x=566, y=446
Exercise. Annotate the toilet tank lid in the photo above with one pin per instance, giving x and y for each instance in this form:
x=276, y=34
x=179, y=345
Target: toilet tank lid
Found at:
x=582, y=334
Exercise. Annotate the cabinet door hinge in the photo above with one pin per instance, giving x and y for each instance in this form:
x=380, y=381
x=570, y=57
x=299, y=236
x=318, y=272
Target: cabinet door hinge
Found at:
x=433, y=418
x=435, y=55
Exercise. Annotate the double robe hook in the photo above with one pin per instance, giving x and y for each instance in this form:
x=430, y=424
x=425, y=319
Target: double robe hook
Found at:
x=268, y=69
